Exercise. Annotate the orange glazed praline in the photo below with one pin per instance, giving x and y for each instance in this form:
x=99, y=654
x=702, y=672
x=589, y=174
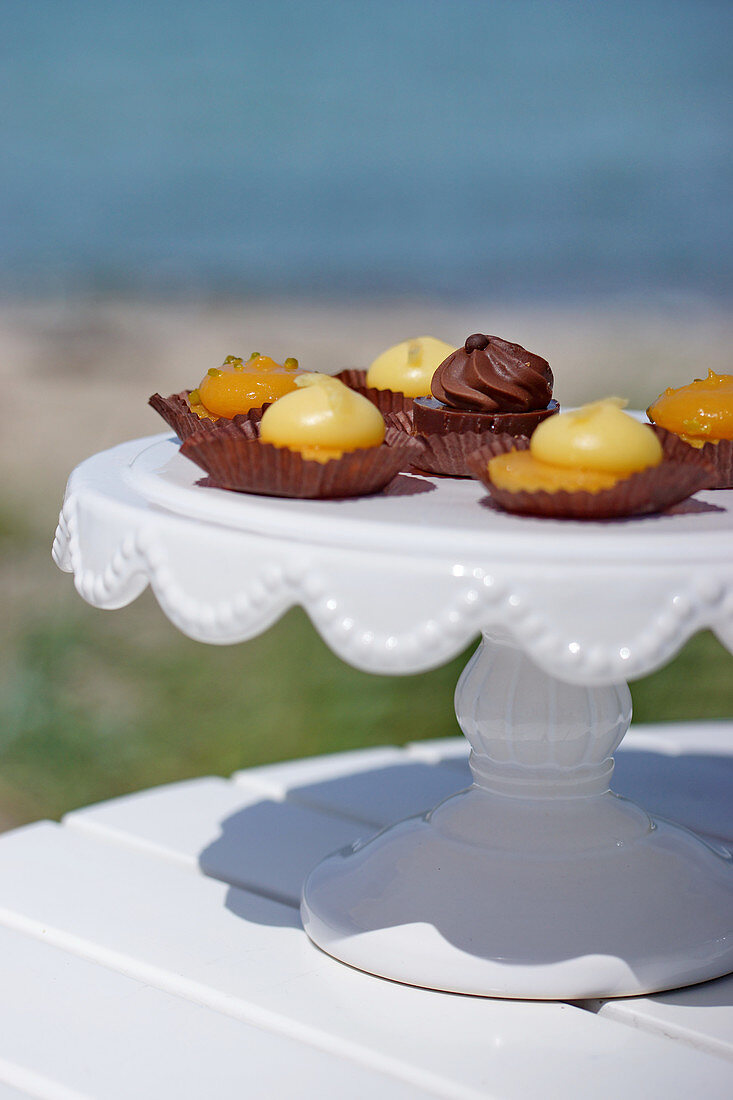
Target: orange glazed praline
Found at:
x=595, y=462
x=701, y=414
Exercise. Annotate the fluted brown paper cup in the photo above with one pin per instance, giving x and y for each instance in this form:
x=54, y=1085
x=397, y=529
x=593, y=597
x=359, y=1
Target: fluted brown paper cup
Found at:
x=387, y=401
x=177, y=414
x=445, y=454
x=247, y=465
x=644, y=493
x=719, y=456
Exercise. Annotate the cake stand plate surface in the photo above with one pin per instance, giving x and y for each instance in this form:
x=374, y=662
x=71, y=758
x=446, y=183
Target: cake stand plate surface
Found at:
x=537, y=881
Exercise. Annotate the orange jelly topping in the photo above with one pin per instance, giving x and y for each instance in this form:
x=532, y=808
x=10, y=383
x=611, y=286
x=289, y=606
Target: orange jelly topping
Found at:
x=700, y=412
x=520, y=470
x=240, y=385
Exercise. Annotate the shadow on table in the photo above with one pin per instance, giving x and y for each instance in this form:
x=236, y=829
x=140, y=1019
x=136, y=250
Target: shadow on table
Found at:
x=269, y=846
x=715, y=994
x=693, y=789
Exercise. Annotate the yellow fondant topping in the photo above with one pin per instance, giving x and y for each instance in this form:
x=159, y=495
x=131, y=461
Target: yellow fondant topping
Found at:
x=599, y=437
x=243, y=384
x=409, y=367
x=322, y=419
x=700, y=412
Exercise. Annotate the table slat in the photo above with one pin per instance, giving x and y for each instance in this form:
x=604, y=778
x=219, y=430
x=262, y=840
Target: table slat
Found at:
x=234, y=833
x=247, y=957
x=10, y=1092
x=701, y=1015
x=73, y=1029
x=376, y=795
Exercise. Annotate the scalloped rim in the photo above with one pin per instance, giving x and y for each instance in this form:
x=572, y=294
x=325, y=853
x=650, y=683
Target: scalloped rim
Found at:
x=482, y=602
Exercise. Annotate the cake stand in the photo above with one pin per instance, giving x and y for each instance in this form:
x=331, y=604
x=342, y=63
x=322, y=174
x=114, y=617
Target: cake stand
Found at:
x=536, y=881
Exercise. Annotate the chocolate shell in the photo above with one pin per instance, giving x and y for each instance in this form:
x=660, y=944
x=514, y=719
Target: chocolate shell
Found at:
x=433, y=418
x=644, y=493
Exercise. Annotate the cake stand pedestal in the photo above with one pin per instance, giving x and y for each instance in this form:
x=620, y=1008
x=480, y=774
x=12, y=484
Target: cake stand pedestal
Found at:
x=537, y=881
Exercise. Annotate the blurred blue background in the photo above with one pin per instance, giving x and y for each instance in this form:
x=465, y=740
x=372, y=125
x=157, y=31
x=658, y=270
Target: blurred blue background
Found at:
x=441, y=148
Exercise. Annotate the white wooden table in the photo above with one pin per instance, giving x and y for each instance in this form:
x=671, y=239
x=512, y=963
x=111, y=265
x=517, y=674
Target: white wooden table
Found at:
x=151, y=946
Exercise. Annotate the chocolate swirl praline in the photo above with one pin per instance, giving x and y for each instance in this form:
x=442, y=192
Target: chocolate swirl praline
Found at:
x=489, y=375
x=489, y=384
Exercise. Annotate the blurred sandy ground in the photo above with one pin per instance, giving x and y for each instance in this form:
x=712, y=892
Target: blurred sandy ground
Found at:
x=76, y=375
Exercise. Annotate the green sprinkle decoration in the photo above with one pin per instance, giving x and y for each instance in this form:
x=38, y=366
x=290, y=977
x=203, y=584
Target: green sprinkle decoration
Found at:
x=290, y=363
x=194, y=397
x=694, y=427
x=255, y=355
x=233, y=359
x=214, y=372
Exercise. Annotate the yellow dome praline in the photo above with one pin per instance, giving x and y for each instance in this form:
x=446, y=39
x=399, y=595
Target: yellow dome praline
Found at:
x=409, y=367
x=589, y=449
x=322, y=418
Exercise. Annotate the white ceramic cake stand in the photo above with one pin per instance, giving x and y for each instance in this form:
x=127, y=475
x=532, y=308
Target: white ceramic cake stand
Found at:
x=536, y=881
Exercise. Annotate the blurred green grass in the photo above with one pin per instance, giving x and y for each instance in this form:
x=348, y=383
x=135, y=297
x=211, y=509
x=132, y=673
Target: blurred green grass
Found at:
x=94, y=704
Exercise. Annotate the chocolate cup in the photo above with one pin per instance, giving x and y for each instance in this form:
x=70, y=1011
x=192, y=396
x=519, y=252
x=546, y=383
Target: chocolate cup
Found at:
x=446, y=455
x=644, y=493
x=719, y=455
x=177, y=414
x=434, y=418
x=387, y=401
x=234, y=458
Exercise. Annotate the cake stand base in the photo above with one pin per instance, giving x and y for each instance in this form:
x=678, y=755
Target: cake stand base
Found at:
x=537, y=881
x=425, y=904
